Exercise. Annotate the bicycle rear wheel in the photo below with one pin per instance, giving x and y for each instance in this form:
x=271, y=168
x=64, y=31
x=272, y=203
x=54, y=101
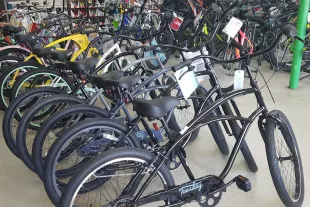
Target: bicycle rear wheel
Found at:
x=9, y=77
x=7, y=61
x=86, y=140
x=284, y=159
x=40, y=78
x=54, y=127
x=128, y=162
x=25, y=136
x=9, y=125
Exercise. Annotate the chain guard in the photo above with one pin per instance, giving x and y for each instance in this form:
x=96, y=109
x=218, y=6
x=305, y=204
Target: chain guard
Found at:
x=205, y=200
x=122, y=201
x=173, y=161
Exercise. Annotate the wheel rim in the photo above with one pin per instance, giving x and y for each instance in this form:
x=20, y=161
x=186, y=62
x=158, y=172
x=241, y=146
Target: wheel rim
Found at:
x=7, y=85
x=126, y=174
x=61, y=83
x=67, y=161
x=288, y=164
x=6, y=63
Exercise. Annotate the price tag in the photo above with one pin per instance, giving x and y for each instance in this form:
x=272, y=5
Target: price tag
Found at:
x=197, y=19
x=233, y=27
x=238, y=79
x=176, y=23
x=187, y=81
x=199, y=64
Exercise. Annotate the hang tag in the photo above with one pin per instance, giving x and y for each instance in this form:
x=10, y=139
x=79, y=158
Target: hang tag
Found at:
x=199, y=64
x=238, y=79
x=187, y=81
x=156, y=22
x=197, y=19
x=25, y=23
x=233, y=27
x=176, y=23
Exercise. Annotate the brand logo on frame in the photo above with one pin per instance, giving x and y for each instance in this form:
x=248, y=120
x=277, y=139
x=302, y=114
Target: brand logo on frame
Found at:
x=190, y=187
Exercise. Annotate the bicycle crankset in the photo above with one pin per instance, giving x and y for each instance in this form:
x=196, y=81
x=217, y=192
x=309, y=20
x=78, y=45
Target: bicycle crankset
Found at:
x=204, y=198
x=173, y=161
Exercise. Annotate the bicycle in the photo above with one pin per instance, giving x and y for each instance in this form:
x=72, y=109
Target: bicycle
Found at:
x=207, y=190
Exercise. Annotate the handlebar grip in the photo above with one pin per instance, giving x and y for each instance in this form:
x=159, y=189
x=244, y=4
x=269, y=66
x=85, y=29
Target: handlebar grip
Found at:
x=130, y=10
x=181, y=65
x=167, y=15
x=237, y=45
x=133, y=48
x=236, y=3
x=89, y=31
x=150, y=48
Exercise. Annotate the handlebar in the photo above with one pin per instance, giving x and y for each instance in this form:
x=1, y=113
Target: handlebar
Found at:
x=287, y=30
x=57, y=15
x=211, y=8
x=125, y=36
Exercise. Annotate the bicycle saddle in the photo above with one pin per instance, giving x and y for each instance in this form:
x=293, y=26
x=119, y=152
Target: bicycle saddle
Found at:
x=29, y=39
x=61, y=55
x=156, y=108
x=77, y=30
x=8, y=30
x=114, y=75
x=42, y=51
x=82, y=65
x=125, y=82
x=47, y=23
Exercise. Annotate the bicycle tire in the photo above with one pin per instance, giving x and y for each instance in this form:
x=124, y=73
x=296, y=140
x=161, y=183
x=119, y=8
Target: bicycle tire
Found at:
x=42, y=71
x=113, y=154
x=37, y=149
x=49, y=171
x=5, y=78
x=18, y=52
x=173, y=123
x=21, y=136
x=273, y=159
x=179, y=5
x=236, y=131
x=9, y=115
x=13, y=59
x=216, y=130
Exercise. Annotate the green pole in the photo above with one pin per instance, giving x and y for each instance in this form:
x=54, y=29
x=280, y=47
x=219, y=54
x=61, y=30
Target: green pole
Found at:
x=298, y=45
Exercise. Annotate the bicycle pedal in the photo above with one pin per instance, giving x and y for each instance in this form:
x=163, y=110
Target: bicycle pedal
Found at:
x=243, y=183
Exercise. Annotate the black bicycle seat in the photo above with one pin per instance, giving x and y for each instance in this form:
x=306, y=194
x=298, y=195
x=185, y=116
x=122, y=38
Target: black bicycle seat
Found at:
x=47, y=23
x=125, y=82
x=114, y=75
x=61, y=55
x=8, y=30
x=29, y=39
x=42, y=51
x=156, y=108
x=77, y=30
x=82, y=65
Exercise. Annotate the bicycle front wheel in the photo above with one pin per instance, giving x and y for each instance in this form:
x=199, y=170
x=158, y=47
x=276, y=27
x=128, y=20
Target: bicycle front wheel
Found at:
x=117, y=167
x=284, y=159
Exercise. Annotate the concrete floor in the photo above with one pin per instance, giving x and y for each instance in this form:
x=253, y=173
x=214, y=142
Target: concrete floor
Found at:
x=20, y=187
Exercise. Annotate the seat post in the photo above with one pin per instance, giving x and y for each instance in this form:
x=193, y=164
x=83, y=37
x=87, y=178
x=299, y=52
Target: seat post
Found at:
x=163, y=122
x=149, y=131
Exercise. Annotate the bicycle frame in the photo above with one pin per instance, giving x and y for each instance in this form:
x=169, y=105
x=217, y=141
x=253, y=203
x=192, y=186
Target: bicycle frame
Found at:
x=196, y=123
